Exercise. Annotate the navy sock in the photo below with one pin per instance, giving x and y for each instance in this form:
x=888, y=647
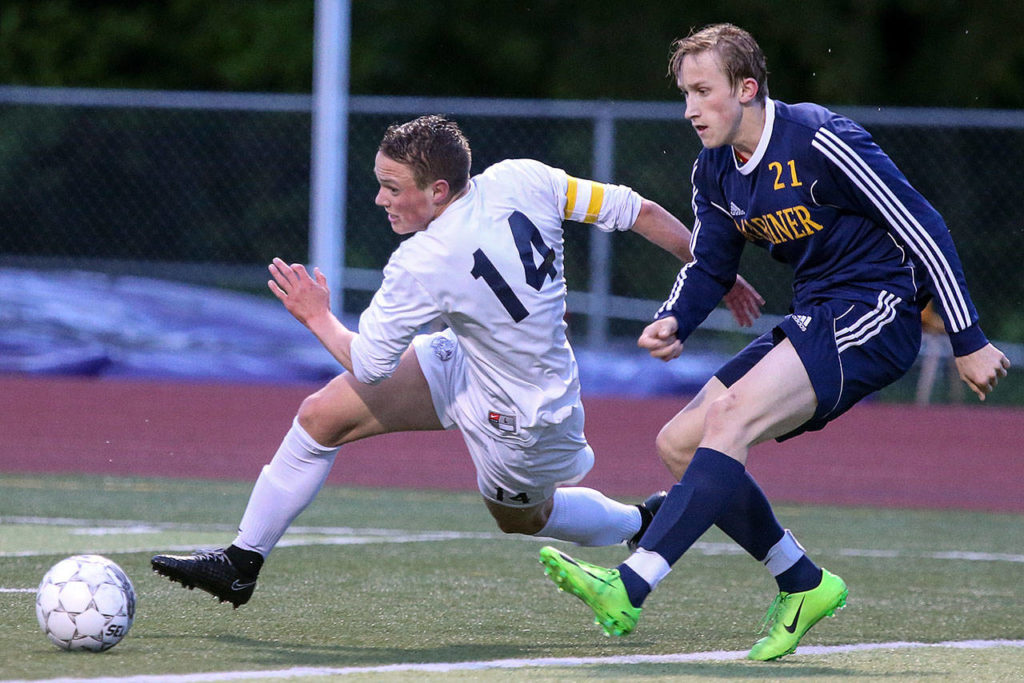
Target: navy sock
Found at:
x=750, y=521
x=636, y=588
x=693, y=505
x=802, y=576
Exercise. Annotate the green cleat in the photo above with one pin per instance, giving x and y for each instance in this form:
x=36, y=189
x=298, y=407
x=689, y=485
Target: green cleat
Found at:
x=600, y=588
x=793, y=614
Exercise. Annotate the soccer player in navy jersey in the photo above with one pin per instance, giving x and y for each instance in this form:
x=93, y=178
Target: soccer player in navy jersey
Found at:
x=867, y=253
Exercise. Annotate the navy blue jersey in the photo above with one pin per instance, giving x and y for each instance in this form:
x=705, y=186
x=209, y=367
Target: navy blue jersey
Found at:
x=821, y=196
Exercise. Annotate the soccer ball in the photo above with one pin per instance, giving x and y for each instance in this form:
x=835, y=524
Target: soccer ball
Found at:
x=85, y=602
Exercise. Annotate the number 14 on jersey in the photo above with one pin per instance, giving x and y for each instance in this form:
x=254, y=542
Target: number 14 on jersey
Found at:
x=527, y=238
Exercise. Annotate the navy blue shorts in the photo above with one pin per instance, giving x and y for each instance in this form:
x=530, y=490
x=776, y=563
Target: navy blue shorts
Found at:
x=849, y=349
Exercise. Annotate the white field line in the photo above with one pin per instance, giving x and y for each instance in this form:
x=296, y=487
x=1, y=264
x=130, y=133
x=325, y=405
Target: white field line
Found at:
x=339, y=535
x=543, y=662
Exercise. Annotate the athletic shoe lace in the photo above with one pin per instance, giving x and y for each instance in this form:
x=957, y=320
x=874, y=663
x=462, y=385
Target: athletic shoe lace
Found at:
x=773, y=611
x=211, y=556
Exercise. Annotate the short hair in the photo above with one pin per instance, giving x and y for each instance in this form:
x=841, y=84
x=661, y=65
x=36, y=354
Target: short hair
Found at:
x=434, y=147
x=738, y=54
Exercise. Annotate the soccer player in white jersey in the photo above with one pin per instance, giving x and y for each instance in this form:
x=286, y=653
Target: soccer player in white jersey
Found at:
x=484, y=255
x=867, y=253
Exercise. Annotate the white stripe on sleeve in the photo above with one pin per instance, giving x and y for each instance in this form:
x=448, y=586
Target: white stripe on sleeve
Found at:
x=902, y=221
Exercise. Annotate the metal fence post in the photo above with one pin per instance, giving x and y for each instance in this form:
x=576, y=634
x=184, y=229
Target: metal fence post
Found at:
x=330, y=145
x=600, y=242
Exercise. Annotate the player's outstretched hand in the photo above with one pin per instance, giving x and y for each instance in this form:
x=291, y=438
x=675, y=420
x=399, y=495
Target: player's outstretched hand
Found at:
x=659, y=338
x=304, y=297
x=983, y=369
x=743, y=302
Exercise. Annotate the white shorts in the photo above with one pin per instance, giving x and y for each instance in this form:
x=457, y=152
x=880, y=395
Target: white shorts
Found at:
x=507, y=472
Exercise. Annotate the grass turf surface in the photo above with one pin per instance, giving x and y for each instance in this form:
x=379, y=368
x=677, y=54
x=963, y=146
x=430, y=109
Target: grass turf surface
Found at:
x=371, y=578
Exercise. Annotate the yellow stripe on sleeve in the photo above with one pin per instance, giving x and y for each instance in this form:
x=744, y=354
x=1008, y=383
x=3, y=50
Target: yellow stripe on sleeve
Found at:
x=580, y=194
x=596, y=199
x=570, y=197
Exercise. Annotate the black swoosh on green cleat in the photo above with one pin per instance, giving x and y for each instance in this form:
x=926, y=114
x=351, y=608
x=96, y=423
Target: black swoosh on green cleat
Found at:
x=796, y=617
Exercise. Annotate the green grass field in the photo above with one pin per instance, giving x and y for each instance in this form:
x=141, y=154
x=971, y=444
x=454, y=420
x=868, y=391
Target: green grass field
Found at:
x=374, y=585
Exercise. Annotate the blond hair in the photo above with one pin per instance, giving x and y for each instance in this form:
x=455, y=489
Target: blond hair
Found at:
x=738, y=54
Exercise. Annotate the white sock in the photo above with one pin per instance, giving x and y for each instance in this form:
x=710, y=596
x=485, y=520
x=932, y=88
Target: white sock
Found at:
x=587, y=517
x=284, y=488
x=783, y=554
x=649, y=566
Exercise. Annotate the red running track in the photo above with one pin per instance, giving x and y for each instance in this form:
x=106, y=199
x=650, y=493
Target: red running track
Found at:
x=965, y=457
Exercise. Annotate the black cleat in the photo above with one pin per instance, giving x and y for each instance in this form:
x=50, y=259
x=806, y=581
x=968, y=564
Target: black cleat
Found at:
x=648, y=509
x=211, y=571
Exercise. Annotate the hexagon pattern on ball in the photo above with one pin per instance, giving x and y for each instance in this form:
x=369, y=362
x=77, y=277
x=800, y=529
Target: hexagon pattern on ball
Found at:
x=85, y=602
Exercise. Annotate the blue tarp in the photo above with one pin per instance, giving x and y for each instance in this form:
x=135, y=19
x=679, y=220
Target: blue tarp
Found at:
x=83, y=323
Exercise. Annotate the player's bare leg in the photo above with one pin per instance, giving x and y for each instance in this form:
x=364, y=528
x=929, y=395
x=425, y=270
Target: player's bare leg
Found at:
x=341, y=412
x=346, y=410
x=528, y=520
x=772, y=399
x=580, y=515
x=679, y=438
x=764, y=395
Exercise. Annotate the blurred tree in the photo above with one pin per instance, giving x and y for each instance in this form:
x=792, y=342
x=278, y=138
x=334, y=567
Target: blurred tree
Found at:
x=178, y=44
x=880, y=52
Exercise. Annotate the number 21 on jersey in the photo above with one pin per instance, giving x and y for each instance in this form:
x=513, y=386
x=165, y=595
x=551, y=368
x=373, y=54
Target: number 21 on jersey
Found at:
x=527, y=238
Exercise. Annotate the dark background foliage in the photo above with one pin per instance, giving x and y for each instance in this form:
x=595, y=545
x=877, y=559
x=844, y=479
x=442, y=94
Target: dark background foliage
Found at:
x=944, y=53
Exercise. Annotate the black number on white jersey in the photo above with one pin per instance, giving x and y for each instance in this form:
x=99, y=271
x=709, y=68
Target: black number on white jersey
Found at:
x=527, y=238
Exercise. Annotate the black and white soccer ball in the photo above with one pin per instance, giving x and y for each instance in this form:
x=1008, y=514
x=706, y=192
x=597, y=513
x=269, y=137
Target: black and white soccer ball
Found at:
x=85, y=602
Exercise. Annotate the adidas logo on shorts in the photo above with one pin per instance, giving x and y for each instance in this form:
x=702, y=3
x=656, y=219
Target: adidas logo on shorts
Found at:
x=802, y=321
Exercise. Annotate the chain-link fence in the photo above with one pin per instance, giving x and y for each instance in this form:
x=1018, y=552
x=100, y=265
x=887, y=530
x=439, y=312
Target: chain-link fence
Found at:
x=207, y=188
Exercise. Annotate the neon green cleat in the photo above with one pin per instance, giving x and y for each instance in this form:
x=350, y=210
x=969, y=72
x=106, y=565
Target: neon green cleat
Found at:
x=792, y=614
x=600, y=588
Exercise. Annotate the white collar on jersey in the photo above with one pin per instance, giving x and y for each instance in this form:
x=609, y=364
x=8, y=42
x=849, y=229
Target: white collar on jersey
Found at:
x=762, y=144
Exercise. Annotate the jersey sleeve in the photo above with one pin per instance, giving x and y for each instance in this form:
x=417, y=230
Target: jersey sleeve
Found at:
x=607, y=207
x=398, y=311
x=716, y=245
x=877, y=188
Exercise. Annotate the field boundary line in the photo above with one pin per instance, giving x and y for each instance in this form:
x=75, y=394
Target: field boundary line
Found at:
x=541, y=662
x=341, y=535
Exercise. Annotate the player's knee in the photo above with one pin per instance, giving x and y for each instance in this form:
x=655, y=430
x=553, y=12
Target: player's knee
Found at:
x=674, y=452
x=514, y=521
x=722, y=421
x=519, y=526
x=320, y=421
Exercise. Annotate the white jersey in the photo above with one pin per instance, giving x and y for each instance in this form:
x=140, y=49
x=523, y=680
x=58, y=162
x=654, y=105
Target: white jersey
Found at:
x=491, y=267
